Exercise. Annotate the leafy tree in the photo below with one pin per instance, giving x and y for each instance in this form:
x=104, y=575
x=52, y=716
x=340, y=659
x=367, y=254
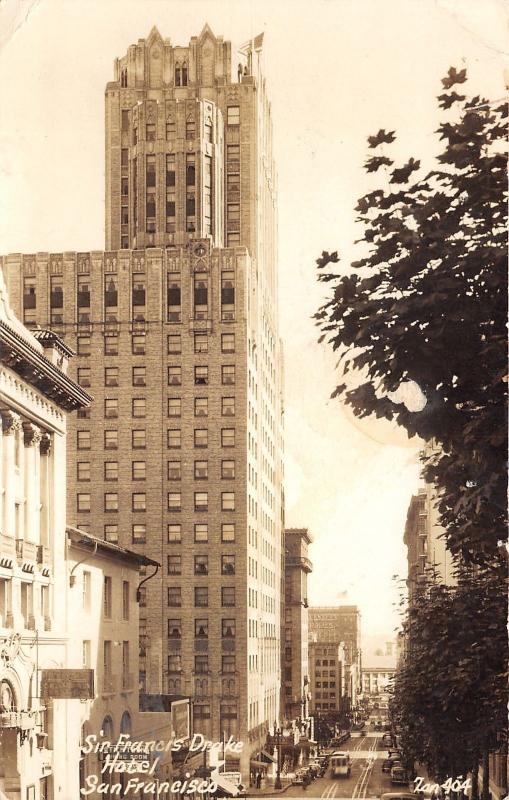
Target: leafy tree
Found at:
x=449, y=697
x=427, y=303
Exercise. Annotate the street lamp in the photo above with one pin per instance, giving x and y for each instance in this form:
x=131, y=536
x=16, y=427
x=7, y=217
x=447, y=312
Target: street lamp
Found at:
x=277, y=734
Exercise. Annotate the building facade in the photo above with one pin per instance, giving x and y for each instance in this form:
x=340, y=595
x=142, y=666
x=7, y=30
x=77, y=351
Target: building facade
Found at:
x=176, y=331
x=340, y=624
x=295, y=638
x=327, y=670
x=35, y=727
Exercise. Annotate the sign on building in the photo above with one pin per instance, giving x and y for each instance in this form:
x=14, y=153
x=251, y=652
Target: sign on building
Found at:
x=68, y=684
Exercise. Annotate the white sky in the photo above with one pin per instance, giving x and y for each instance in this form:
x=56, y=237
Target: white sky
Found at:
x=337, y=70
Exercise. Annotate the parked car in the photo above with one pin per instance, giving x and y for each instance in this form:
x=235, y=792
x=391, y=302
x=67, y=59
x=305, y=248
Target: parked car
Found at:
x=387, y=739
x=399, y=775
x=388, y=764
x=398, y=796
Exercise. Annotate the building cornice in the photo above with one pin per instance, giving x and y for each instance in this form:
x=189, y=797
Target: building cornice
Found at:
x=86, y=541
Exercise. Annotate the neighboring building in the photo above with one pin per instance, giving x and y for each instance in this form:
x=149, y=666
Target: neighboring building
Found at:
x=103, y=587
x=340, y=624
x=181, y=455
x=376, y=680
x=295, y=638
x=327, y=670
x=35, y=396
x=428, y=558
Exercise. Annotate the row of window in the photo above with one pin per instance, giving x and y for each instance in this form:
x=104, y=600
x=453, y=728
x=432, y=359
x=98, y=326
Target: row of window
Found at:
x=139, y=501
x=201, y=564
x=201, y=628
x=201, y=596
x=139, y=470
x=174, y=536
x=138, y=342
x=139, y=438
x=201, y=666
x=174, y=405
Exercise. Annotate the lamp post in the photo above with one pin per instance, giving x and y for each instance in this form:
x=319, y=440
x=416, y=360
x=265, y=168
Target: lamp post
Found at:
x=277, y=734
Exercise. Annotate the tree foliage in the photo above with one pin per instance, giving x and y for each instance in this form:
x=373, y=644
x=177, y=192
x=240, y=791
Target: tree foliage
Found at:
x=427, y=303
x=449, y=697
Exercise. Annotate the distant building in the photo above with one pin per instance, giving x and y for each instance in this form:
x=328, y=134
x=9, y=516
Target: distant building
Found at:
x=376, y=680
x=340, y=624
x=327, y=670
x=36, y=728
x=295, y=644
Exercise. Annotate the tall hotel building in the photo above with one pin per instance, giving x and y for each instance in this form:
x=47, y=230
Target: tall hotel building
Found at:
x=175, y=326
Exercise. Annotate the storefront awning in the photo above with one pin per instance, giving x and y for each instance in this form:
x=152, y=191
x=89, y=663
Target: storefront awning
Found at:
x=226, y=786
x=264, y=756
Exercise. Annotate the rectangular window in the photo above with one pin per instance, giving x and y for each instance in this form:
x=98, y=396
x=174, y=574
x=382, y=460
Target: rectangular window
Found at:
x=228, y=343
x=111, y=501
x=175, y=663
x=228, y=532
x=139, y=533
x=83, y=468
x=110, y=440
x=190, y=129
x=170, y=134
x=125, y=599
x=86, y=655
x=110, y=376
x=111, y=291
x=201, y=406
x=201, y=664
x=83, y=502
x=228, y=406
x=84, y=376
x=124, y=158
x=228, y=437
x=139, y=407
x=138, y=344
x=107, y=596
x=174, y=596
x=139, y=470
x=174, y=471
x=111, y=470
x=174, y=628
x=201, y=437
x=190, y=169
x=150, y=134
x=201, y=565
x=111, y=408
x=139, y=501
x=174, y=438
x=174, y=501
x=84, y=345
x=228, y=374
x=174, y=375
x=111, y=533
x=201, y=627
x=201, y=343
x=174, y=343
x=233, y=115
x=228, y=565
x=111, y=345
x=201, y=375
x=201, y=596
x=83, y=291
x=228, y=664
x=228, y=501
x=174, y=534
x=139, y=376
x=228, y=628
x=201, y=501
x=201, y=532
x=174, y=565
x=228, y=596
x=83, y=440
x=227, y=468
x=201, y=470
x=174, y=406
x=138, y=439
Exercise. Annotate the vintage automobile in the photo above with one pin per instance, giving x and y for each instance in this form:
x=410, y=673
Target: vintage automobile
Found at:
x=399, y=775
x=390, y=762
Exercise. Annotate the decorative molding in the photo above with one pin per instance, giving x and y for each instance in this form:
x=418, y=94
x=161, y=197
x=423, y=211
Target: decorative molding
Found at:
x=32, y=435
x=11, y=422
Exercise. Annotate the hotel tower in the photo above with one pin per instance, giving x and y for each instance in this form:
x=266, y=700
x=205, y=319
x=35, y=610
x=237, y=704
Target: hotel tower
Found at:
x=176, y=332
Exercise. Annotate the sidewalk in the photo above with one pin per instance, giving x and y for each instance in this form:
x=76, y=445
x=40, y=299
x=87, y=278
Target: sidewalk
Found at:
x=267, y=789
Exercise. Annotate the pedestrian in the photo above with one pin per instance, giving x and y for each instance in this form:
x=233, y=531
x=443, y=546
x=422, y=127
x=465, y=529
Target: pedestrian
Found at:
x=259, y=780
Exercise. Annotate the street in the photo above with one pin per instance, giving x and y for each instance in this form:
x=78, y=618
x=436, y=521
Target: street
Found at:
x=366, y=779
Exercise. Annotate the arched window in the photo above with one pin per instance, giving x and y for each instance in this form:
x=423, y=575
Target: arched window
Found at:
x=178, y=74
x=126, y=723
x=123, y=79
x=184, y=73
x=107, y=728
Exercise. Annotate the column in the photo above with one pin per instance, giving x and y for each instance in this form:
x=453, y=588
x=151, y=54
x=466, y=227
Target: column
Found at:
x=44, y=522
x=11, y=425
x=32, y=436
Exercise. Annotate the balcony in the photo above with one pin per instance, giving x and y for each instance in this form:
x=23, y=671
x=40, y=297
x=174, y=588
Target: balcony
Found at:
x=299, y=561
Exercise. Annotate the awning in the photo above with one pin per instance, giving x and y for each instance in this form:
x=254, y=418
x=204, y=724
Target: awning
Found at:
x=305, y=744
x=225, y=785
x=264, y=756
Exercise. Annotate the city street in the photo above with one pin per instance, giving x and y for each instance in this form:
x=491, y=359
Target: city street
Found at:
x=366, y=779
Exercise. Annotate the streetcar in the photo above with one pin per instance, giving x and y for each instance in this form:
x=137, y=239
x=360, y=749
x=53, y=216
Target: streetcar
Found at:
x=340, y=764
